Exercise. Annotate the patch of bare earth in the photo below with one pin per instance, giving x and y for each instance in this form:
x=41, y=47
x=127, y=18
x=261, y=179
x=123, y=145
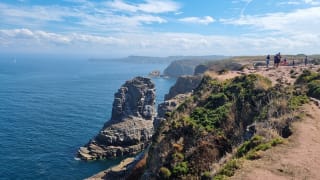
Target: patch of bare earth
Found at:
x=285, y=75
x=299, y=158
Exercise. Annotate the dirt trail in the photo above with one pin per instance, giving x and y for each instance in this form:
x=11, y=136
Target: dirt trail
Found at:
x=297, y=159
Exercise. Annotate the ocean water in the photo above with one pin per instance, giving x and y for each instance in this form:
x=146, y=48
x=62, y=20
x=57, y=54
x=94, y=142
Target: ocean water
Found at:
x=49, y=108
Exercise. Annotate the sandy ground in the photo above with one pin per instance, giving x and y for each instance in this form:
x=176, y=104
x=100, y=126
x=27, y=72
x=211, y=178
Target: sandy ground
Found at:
x=297, y=159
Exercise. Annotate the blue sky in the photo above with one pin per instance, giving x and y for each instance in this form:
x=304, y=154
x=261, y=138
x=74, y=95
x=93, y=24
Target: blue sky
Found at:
x=118, y=28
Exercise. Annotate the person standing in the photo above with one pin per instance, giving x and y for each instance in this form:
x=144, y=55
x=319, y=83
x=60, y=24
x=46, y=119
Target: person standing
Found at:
x=268, y=60
x=275, y=60
x=306, y=60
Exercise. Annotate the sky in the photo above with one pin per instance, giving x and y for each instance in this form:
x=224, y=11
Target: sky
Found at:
x=119, y=28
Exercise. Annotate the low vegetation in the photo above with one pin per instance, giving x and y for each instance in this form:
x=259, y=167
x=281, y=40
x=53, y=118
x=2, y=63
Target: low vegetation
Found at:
x=215, y=120
x=310, y=81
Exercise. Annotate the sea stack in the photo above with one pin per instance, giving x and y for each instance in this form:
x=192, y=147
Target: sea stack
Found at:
x=131, y=125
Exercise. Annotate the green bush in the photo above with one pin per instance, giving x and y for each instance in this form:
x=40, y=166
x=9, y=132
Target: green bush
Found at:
x=208, y=118
x=220, y=177
x=296, y=101
x=314, y=89
x=181, y=168
x=307, y=76
x=178, y=156
x=165, y=173
x=206, y=175
x=248, y=145
x=253, y=155
x=230, y=168
x=216, y=100
x=262, y=147
x=276, y=141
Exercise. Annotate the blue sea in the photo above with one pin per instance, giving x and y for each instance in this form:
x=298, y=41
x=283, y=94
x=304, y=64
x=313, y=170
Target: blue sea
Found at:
x=51, y=107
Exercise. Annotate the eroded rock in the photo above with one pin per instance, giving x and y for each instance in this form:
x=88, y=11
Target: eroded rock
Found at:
x=131, y=125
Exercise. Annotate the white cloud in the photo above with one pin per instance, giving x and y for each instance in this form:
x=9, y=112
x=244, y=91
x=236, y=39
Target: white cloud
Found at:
x=312, y=2
x=289, y=3
x=156, y=44
x=86, y=16
x=198, y=20
x=150, y=6
x=302, y=21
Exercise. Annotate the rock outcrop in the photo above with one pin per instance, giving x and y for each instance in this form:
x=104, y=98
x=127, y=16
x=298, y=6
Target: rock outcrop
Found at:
x=184, y=84
x=168, y=106
x=180, y=68
x=186, y=65
x=131, y=125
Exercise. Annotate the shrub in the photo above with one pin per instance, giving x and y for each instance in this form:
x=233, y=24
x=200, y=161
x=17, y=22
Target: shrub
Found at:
x=248, y=145
x=307, y=76
x=165, y=173
x=296, y=101
x=206, y=175
x=230, y=168
x=181, y=168
x=216, y=100
x=262, y=147
x=178, y=156
x=253, y=155
x=276, y=141
x=220, y=177
x=314, y=89
x=208, y=118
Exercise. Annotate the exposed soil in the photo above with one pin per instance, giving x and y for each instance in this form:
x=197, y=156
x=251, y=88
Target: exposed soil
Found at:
x=285, y=75
x=299, y=158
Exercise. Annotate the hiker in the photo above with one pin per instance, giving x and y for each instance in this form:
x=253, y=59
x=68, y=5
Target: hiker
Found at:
x=285, y=61
x=268, y=60
x=277, y=59
x=306, y=60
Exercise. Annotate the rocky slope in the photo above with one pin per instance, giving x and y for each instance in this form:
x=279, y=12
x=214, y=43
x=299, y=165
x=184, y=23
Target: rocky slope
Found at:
x=226, y=121
x=131, y=125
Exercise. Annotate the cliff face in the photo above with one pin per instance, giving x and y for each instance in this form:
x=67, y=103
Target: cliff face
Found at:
x=180, y=68
x=218, y=116
x=184, y=84
x=136, y=98
x=187, y=65
x=131, y=125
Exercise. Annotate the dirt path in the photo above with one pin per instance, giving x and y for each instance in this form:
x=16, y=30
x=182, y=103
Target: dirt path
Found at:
x=297, y=159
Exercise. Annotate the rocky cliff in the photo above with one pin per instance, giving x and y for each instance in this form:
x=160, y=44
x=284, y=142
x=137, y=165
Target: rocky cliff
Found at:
x=131, y=125
x=187, y=65
x=219, y=116
x=184, y=84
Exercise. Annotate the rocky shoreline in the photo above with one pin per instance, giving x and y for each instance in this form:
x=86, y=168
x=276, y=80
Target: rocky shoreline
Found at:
x=130, y=129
